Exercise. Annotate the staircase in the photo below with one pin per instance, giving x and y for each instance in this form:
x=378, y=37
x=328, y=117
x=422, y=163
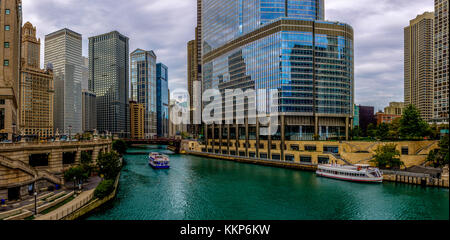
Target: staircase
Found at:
x=37, y=174
x=425, y=148
x=338, y=156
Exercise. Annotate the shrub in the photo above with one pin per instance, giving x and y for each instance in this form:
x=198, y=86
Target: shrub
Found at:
x=387, y=157
x=79, y=172
x=105, y=188
x=120, y=146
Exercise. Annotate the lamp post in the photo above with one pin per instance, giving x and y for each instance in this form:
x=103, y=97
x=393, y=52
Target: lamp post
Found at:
x=74, y=178
x=70, y=132
x=35, y=199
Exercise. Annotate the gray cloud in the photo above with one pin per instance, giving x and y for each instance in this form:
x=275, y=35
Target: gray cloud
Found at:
x=166, y=26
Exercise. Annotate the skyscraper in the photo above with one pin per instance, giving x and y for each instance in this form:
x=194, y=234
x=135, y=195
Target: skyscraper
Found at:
x=84, y=73
x=419, y=64
x=137, y=119
x=10, y=35
x=441, y=61
x=89, y=102
x=143, y=88
x=287, y=46
x=162, y=99
x=193, y=75
x=108, y=79
x=63, y=50
x=36, y=88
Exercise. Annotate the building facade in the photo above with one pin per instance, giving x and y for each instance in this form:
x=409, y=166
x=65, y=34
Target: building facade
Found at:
x=176, y=130
x=108, y=79
x=193, y=75
x=36, y=89
x=143, y=87
x=286, y=46
x=419, y=64
x=162, y=99
x=89, y=102
x=10, y=37
x=382, y=117
x=63, y=50
x=441, y=61
x=84, y=73
x=395, y=108
x=366, y=117
x=137, y=120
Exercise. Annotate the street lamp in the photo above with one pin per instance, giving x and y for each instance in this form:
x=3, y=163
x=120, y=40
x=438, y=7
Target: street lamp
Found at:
x=74, y=178
x=70, y=132
x=35, y=199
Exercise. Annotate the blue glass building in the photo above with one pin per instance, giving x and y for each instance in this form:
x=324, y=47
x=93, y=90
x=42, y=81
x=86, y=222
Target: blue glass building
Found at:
x=162, y=99
x=143, y=87
x=284, y=45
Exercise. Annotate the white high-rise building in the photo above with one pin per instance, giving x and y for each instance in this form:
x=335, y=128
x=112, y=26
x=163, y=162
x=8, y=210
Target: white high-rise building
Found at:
x=63, y=49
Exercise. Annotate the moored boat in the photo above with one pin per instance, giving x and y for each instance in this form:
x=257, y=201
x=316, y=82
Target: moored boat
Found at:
x=158, y=161
x=355, y=173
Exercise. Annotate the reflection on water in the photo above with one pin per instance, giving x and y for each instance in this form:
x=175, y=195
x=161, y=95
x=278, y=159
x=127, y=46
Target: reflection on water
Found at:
x=198, y=188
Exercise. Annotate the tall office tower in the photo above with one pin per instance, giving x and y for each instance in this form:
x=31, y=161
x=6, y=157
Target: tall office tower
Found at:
x=137, y=119
x=84, y=73
x=143, y=88
x=285, y=46
x=441, y=62
x=108, y=79
x=162, y=99
x=36, y=88
x=419, y=64
x=192, y=72
x=10, y=37
x=63, y=51
x=89, y=102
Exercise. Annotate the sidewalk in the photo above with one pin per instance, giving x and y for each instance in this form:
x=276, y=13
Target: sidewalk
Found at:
x=70, y=207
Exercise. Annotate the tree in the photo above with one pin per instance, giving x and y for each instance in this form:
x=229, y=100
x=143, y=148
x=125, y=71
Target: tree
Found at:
x=371, y=130
x=120, y=146
x=79, y=173
x=382, y=131
x=86, y=158
x=104, y=189
x=109, y=164
x=439, y=157
x=356, y=132
x=387, y=157
x=394, y=129
x=411, y=124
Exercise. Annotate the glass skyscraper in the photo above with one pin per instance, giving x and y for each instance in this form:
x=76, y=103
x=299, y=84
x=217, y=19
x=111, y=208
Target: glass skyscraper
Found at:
x=162, y=99
x=143, y=87
x=108, y=79
x=63, y=50
x=284, y=45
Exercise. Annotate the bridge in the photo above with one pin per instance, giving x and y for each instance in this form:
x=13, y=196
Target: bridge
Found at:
x=172, y=144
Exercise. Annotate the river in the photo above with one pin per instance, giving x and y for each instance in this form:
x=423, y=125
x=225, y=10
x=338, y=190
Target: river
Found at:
x=197, y=188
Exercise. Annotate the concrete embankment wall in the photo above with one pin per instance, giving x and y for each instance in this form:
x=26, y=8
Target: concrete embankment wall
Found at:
x=94, y=204
x=416, y=179
x=272, y=163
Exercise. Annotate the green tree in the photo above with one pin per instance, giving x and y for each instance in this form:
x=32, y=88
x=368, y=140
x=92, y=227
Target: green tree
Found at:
x=109, y=164
x=443, y=150
x=411, y=124
x=387, y=157
x=86, y=157
x=356, y=132
x=372, y=130
x=382, y=131
x=394, y=129
x=79, y=173
x=120, y=146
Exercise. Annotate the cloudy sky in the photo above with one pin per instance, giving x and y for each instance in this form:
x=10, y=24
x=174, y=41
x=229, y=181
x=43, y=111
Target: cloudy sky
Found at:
x=166, y=26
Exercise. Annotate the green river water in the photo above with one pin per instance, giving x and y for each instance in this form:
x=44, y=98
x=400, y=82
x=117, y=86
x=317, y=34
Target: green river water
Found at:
x=198, y=188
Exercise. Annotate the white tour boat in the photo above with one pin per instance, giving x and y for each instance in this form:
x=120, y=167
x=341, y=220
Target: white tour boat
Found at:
x=356, y=173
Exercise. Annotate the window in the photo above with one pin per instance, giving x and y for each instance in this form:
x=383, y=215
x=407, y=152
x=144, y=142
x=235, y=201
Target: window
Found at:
x=2, y=117
x=276, y=156
x=295, y=147
x=7, y=11
x=2, y=101
x=310, y=148
x=290, y=158
x=405, y=151
x=6, y=63
x=7, y=27
x=306, y=159
x=6, y=45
